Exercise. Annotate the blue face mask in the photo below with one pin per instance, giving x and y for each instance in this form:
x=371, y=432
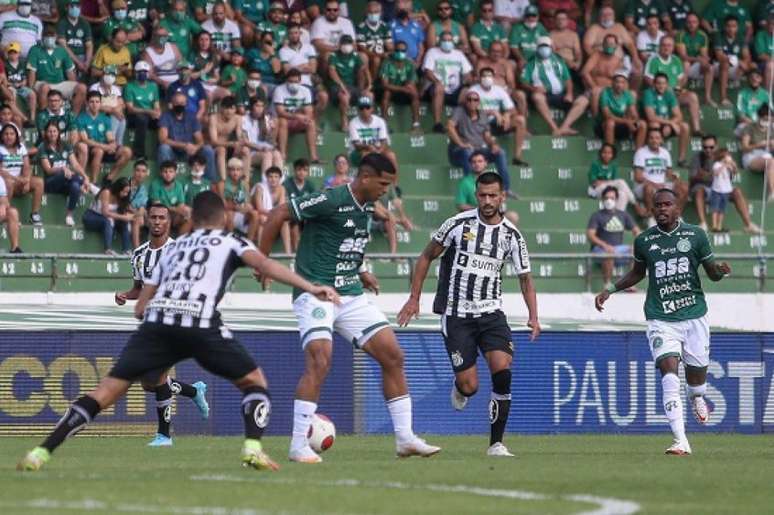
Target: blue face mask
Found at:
x=120, y=14
x=74, y=11
x=399, y=55
x=374, y=18
x=447, y=46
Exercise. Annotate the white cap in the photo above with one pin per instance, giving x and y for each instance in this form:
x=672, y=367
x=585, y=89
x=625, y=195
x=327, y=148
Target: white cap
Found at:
x=142, y=66
x=544, y=41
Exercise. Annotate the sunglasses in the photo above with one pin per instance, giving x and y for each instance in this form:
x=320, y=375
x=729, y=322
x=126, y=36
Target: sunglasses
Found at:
x=444, y=8
x=476, y=99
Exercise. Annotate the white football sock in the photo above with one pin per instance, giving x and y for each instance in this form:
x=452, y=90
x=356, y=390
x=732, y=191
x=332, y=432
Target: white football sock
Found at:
x=302, y=419
x=696, y=391
x=673, y=405
x=400, y=411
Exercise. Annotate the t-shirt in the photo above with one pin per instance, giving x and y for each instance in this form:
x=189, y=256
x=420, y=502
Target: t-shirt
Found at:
x=448, y=67
x=64, y=120
x=237, y=73
x=299, y=56
x=279, y=31
x=648, y=44
x=461, y=9
x=466, y=191
x=764, y=43
x=172, y=196
x=75, y=35
x=455, y=30
x=525, y=39
x=398, y=73
x=750, y=100
x=471, y=131
x=235, y=192
x=672, y=261
x=191, y=189
x=551, y=73
x=49, y=66
x=292, y=189
x=24, y=30
x=330, y=32
x=256, y=61
x=368, y=133
x=718, y=10
x=672, y=68
x=127, y=24
x=663, y=105
x=142, y=96
x=640, y=11
x=730, y=47
x=181, y=33
x=602, y=172
x=138, y=10
x=292, y=102
x=222, y=36
x=346, y=66
x=756, y=133
x=95, y=127
x=411, y=33
x=253, y=10
x=721, y=178
x=617, y=104
x=106, y=56
x=16, y=73
x=678, y=12
x=194, y=93
x=610, y=225
x=486, y=35
x=655, y=165
x=58, y=157
x=374, y=39
x=694, y=43
x=13, y=162
x=110, y=97
x=180, y=130
x=495, y=99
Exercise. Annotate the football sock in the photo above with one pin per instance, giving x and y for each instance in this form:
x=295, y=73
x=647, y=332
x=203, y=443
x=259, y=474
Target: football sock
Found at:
x=77, y=416
x=696, y=391
x=163, y=408
x=673, y=405
x=302, y=419
x=499, y=405
x=256, y=409
x=180, y=388
x=400, y=412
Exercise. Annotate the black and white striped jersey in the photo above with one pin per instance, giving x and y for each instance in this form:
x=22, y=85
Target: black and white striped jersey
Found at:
x=192, y=276
x=145, y=259
x=470, y=278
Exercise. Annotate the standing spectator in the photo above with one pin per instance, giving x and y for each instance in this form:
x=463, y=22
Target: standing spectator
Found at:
x=446, y=71
x=510, y=12
x=141, y=97
x=296, y=55
x=368, y=134
x=163, y=57
x=94, y=131
x=445, y=23
x=167, y=190
x=566, y=41
x=732, y=56
x=110, y=212
x=74, y=36
x=181, y=27
x=49, y=67
x=618, y=116
x=648, y=40
x=723, y=171
x=399, y=83
x=638, y=12
x=692, y=45
x=192, y=89
x=652, y=171
x=22, y=26
x=374, y=40
x=524, y=37
x=327, y=30
x=225, y=136
x=16, y=171
x=225, y=33
x=240, y=214
x=603, y=174
x=63, y=173
x=756, y=148
x=180, y=136
x=112, y=102
x=17, y=85
x=485, y=31
x=749, y=100
x=259, y=132
x=405, y=29
x=293, y=103
x=349, y=77
x=10, y=217
x=676, y=14
x=662, y=113
x=599, y=71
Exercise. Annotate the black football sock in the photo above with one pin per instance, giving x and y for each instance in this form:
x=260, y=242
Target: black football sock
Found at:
x=256, y=408
x=180, y=388
x=500, y=405
x=77, y=416
x=164, y=408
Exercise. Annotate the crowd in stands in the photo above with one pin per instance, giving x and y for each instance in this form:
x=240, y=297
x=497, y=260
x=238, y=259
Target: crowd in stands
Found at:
x=225, y=84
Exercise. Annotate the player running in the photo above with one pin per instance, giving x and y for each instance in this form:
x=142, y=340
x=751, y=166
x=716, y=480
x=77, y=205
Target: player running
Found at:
x=671, y=252
x=178, y=305
x=477, y=243
x=144, y=260
x=330, y=252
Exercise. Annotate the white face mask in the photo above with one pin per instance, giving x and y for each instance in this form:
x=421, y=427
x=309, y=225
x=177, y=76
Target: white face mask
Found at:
x=24, y=10
x=447, y=46
x=544, y=52
x=347, y=49
x=197, y=173
x=530, y=24
x=609, y=204
x=487, y=81
x=109, y=80
x=253, y=83
x=292, y=88
x=607, y=23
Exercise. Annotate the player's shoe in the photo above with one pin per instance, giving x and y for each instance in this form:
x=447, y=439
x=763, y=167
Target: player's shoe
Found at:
x=679, y=448
x=701, y=411
x=253, y=456
x=458, y=401
x=34, y=460
x=200, y=400
x=161, y=441
x=416, y=447
x=304, y=455
x=498, y=449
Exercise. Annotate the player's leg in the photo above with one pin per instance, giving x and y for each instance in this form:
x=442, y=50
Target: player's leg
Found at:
x=696, y=361
x=495, y=341
x=163, y=395
x=460, y=340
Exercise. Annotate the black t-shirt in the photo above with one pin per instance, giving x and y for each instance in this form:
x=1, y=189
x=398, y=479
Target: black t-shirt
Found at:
x=611, y=225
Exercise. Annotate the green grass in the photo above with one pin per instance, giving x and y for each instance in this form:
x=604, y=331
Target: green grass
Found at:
x=201, y=475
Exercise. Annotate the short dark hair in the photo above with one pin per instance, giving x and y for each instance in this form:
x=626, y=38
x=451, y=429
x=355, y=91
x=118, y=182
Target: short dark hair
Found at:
x=168, y=164
x=93, y=94
x=608, y=145
x=157, y=205
x=486, y=69
x=300, y=163
x=140, y=162
x=227, y=102
x=293, y=72
x=665, y=190
x=198, y=158
x=608, y=189
x=377, y=163
x=764, y=110
x=207, y=208
x=729, y=18
x=53, y=93
x=709, y=136
x=661, y=75
x=273, y=169
x=477, y=153
x=490, y=178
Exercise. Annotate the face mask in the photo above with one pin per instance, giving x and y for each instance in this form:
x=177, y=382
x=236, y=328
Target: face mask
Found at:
x=544, y=52
x=399, y=55
x=609, y=204
x=178, y=109
x=74, y=11
x=292, y=88
x=109, y=80
x=163, y=40
x=347, y=49
x=253, y=84
x=197, y=173
x=120, y=14
x=610, y=50
x=373, y=18
x=607, y=24
x=142, y=76
x=24, y=10
x=49, y=42
x=487, y=82
x=178, y=15
x=447, y=46
x=530, y=24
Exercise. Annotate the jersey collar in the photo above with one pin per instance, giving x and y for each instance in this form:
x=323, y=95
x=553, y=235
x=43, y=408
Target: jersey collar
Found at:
x=670, y=233
x=349, y=189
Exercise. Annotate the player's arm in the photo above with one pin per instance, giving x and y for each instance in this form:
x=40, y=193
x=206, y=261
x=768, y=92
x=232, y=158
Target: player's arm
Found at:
x=716, y=271
x=147, y=293
x=268, y=267
x=133, y=294
x=411, y=308
x=635, y=275
x=530, y=299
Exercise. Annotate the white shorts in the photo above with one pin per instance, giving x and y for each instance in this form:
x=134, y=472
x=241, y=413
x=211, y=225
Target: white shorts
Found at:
x=688, y=340
x=240, y=222
x=694, y=72
x=733, y=71
x=356, y=319
x=66, y=88
x=639, y=188
x=3, y=190
x=751, y=156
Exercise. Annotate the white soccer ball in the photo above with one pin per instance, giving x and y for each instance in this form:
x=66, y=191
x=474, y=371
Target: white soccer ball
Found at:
x=322, y=433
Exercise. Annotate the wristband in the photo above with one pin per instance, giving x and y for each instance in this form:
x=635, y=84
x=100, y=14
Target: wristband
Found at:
x=611, y=289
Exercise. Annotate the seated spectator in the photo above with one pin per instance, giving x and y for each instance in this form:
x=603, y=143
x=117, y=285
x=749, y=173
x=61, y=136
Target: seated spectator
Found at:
x=605, y=232
x=409, y=31
x=549, y=15
x=116, y=53
x=141, y=99
x=566, y=40
x=206, y=67
x=600, y=69
x=240, y=215
x=265, y=60
x=135, y=32
x=94, y=131
x=648, y=40
x=248, y=15
x=653, y=171
x=618, y=117
x=10, y=217
x=252, y=89
x=692, y=45
x=594, y=37
x=16, y=171
x=638, y=13
x=180, y=137
x=296, y=55
x=446, y=23
x=259, y=133
x=349, y=77
x=192, y=89
x=276, y=22
x=764, y=48
x=112, y=102
x=468, y=132
x=701, y=186
x=182, y=27
x=297, y=185
x=62, y=171
x=497, y=105
x=233, y=77
x=49, y=67
x=15, y=85
x=399, y=83
x=447, y=70
x=57, y=111
x=163, y=57
x=662, y=113
x=21, y=26
x=75, y=36
x=388, y=214
x=755, y=143
x=341, y=173
x=293, y=103
x=265, y=196
x=749, y=100
x=723, y=171
x=465, y=198
x=196, y=182
x=368, y=134
x=327, y=30
x=675, y=15
x=167, y=190
x=604, y=174
x=225, y=136
x=524, y=37
x=374, y=39
x=225, y=33
x=732, y=57
x=296, y=18
x=504, y=74
x=717, y=12
x=138, y=199
x=508, y=13
x=109, y=213
x=485, y=32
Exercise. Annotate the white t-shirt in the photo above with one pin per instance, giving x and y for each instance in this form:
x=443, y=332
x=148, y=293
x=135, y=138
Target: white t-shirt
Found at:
x=13, y=163
x=26, y=31
x=654, y=164
x=329, y=32
x=721, y=178
x=296, y=57
x=368, y=133
x=108, y=99
x=292, y=102
x=510, y=8
x=496, y=99
x=221, y=37
x=448, y=67
x=647, y=44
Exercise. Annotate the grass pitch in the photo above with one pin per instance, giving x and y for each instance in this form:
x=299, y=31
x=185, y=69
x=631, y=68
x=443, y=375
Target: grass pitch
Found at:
x=596, y=474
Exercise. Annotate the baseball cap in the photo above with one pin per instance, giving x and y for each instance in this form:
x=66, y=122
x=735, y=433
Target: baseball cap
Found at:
x=621, y=72
x=531, y=10
x=364, y=101
x=142, y=66
x=13, y=46
x=238, y=50
x=184, y=64
x=277, y=6
x=544, y=41
x=346, y=39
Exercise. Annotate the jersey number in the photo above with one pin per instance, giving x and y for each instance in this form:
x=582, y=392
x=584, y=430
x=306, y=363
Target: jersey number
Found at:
x=195, y=269
x=671, y=267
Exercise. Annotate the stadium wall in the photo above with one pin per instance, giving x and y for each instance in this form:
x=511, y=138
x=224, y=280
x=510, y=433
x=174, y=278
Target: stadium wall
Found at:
x=568, y=382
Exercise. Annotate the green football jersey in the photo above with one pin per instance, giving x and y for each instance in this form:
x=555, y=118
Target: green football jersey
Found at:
x=171, y=196
x=279, y=31
x=75, y=36
x=398, y=73
x=617, y=104
x=334, y=238
x=730, y=46
x=95, y=127
x=749, y=101
x=49, y=66
x=461, y=9
x=673, y=68
x=191, y=189
x=672, y=260
x=487, y=35
x=640, y=11
x=764, y=44
x=346, y=66
x=374, y=38
x=64, y=120
x=525, y=39
x=602, y=172
x=663, y=105
x=718, y=10
x=57, y=157
x=142, y=96
x=694, y=43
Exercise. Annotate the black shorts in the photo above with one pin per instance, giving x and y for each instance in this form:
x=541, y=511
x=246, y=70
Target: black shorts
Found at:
x=465, y=336
x=621, y=131
x=156, y=347
x=558, y=101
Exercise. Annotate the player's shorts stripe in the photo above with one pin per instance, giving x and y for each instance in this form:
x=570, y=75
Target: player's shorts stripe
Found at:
x=368, y=332
x=667, y=355
x=315, y=329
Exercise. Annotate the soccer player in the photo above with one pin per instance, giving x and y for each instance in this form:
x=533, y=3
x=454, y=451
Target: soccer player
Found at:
x=671, y=252
x=330, y=252
x=178, y=305
x=144, y=260
x=475, y=245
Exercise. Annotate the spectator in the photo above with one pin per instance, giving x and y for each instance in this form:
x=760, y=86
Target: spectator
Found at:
x=225, y=136
x=368, y=134
x=181, y=27
x=302, y=57
x=225, y=33
x=566, y=41
x=549, y=15
x=446, y=71
x=265, y=61
x=399, y=82
x=415, y=12
x=248, y=15
x=138, y=199
x=388, y=214
x=163, y=57
x=135, y=32
x=192, y=90
x=265, y=196
x=141, y=98
x=605, y=232
x=16, y=75
x=468, y=132
x=405, y=29
x=275, y=23
x=167, y=190
x=196, y=182
x=142, y=12
x=486, y=31
x=327, y=31
x=749, y=100
x=293, y=103
x=756, y=148
x=618, y=117
x=465, y=198
x=349, y=77
x=234, y=77
x=95, y=12
x=10, y=217
x=594, y=38
x=180, y=136
x=206, y=67
x=341, y=173
x=731, y=55
x=16, y=171
x=259, y=133
x=676, y=14
x=110, y=213
x=701, y=186
x=662, y=113
x=510, y=12
x=240, y=215
x=65, y=121
x=295, y=18
x=112, y=102
x=652, y=171
x=718, y=11
x=94, y=130
x=21, y=26
x=445, y=23
x=600, y=70
x=603, y=174
x=723, y=171
x=49, y=67
x=74, y=36
x=692, y=45
x=462, y=11
x=374, y=40
x=764, y=48
x=63, y=173
x=115, y=53
x=638, y=13
x=524, y=37
x=648, y=40
x=297, y=186
x=504, y=74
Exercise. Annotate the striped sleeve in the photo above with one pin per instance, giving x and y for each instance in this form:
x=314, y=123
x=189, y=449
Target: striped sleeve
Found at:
x=519, y=254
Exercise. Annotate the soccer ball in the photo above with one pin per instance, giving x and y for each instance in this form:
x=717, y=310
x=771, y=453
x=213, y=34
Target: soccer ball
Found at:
x=322, y=433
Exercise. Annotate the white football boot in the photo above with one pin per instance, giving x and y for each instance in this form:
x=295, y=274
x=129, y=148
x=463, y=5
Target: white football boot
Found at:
x=458, y=401
x=498, y=449
x=304, y=455
x=679, y=448
x=416, y=447
x=701, y=411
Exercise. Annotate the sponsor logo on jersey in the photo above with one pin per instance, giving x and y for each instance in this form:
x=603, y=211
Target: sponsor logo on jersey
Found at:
x=684, y=245
x=657, y=342
x=456, y=358
x=349, y=223
x=469, y=236
x=674, y=288
x=318, y=313
x=313, y=201
x=654, y=247
x=346, y=209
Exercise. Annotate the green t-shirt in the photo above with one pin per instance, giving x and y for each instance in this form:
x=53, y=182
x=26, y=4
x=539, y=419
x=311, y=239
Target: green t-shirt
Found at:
x=617, y=104
x=466, y=191
x=253, y=10
x=373, y=38
x=170, y=197
x=729, y=46
x=235, y=191
x=292, y=189
x=76, y=35
x=279, y=31
x=128, y=25
x=51, y=66
x=673, y=68
x=678, y=12
x=191, y=189
x=749, y=101
x=398, y=73
x=525, y=39
x=764, y=44
x=256, y=61
x=181, y=33
x=346, y=66
x=694, y=43
x=96, y=127
x=487, y=35
x=17, y=74
x=552, y=73
x=602, y=172
x=57, y=157
x=64, y=120
x=237, y=73
x=205, y=5
x=462, y=9
x=142, y=96
x=672, y=261
x=718, y=10
x=638, y=10
x=663, y=105
x=334, y=238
